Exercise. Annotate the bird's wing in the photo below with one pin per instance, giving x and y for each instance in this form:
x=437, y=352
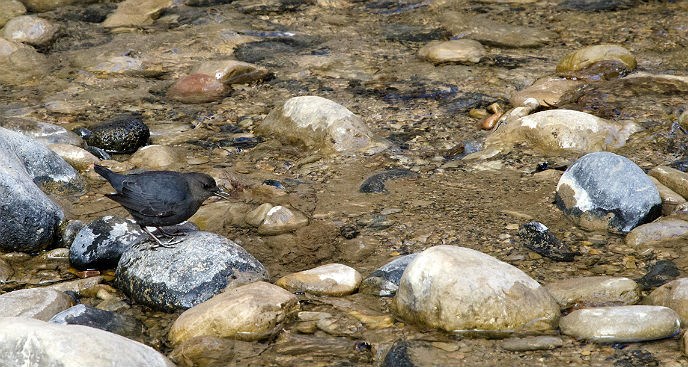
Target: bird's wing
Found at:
x=158, y=199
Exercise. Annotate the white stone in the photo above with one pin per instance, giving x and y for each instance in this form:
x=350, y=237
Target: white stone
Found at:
x=459, y=51
x=30, y=29
x=37, y=303
x=329, y=279
x=458, y=289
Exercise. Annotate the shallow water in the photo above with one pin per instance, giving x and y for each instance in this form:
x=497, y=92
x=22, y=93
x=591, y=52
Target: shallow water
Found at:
x=363, y=56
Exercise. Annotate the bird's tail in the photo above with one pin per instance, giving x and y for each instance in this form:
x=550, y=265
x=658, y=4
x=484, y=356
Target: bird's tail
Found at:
x=114, y=178
x=106, y=173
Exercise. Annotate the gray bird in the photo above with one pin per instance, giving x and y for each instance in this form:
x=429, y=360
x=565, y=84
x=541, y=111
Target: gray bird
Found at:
x=160, y=198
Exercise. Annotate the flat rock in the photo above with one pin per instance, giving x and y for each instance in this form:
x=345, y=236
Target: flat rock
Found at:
x=548, y=91
x=251, y=312
x=280, y=219
x=594, y=292
x=136, y=13
x=462, y=51
x=25, y=341
x=189, y=273
x=329, y=280
x=672, y=178
x=320, y=124
x=10, y=9
x=658, y=274
x=673, y=295
x=660, y=230
x=37, y=303
x=20, y=63
x=493, y=33
x=605, y=191
x=30, y=29
x=384, y=281
x=101, y=243
x=492, y=295
x=543, y=342
x=81, y=314
x=230, y=72
x=622, y=324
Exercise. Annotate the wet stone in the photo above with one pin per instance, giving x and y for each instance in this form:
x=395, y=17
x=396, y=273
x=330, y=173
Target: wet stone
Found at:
x=121, y=134
x=466, y=101
x=79, y=158
x=597, y=5
x=101, y=243
x=10, y=9
x=660, y=230
x=672, y=178
x=538, y=238
x=494, y=33
x=673, y=295
x=280, y=219
x=251, y=312
x=548, y=91
x=30, y=29
x=37, y=303
x=594, y=292
x=43, y=132
x=598, y=61
x=231, y=72
x=157, y=157
x=136, y=13
x=463, y=51
x=38, y=343
x=492, y=296
x=100, y=319
x=622, y=324
x=605, y=191
x=197, y=88
x=330, y=280
x=658, y=273
x=670, y=199
x=398, y=356
x=411, y=33
x=532, y=343
x=20, y=63
x=376, y=182
x=189, y=273
x=264, y=52
x=384, y=281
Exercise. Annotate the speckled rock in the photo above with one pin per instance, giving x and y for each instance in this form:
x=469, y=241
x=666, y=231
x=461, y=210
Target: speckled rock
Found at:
x=189, y=273
x=384, y=281
x=120, y=134
x=605, y=191
x=330, y=280
x=554, y=131
x=492, y=295
x=670, y=199
x=660, y=230
x=101, y=243
x=136, y=13
x=463, y=51
x=20, y=63
x=622, y=324
x=30, y=29
x=251, y=312
x=673, y=295
x=622, y=61
x=10, y=9
x=43, y=132
x=31, y=342
x=320, y=124
x=280, y=219
x=594, y=292
x=28, y=218
x=157, y=157
x=233, y=71
x=672, y=178
x=197, y=88
x=81, y=314
x=37, y=303
x=79, y=158
x=548, y=91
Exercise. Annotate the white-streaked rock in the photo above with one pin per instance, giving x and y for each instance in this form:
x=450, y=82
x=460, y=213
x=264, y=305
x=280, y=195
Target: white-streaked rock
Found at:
x=622, y=324
x=594, y=291
x=329, y=279
x=458, y=289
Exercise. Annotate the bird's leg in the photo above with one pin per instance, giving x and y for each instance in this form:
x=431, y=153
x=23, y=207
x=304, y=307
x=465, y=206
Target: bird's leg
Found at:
x=170, y=234
x=159, y=242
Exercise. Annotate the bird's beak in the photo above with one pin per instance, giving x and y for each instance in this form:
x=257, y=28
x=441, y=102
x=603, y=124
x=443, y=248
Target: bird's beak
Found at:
x=221, y=193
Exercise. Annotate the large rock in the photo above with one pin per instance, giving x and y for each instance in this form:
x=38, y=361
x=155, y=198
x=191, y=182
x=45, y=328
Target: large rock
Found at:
x=622, y=324
x=491, y=294
x=322, y=125
x=188, y=273
x=594, y=291
x=605, y=191
x=101, y=243
x=20, y=63
x=37, y=303
x=30, y=342
x=554, y=131
x=251, y=312
x=28, y=218
x=673, y=295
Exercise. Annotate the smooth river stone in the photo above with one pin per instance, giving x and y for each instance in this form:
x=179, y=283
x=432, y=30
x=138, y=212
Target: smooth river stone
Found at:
x=251, y=312
x=587, y=56
x=594, y=291
x=660, y=230
x=10, y=9
x=135, y=13
x=548, y=91
x=670, y=199
x=37, y=303
x=622, y=324
x=673, y=295
x=672, y=178
x=491, y=294
x=463, y=51
x=31, y=30
x=329, y=280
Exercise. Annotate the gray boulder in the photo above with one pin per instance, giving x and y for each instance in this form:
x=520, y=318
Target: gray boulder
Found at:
x=384, y=281
x=101, y=243
x=187, y=273
x=28, y=218
x=81, y=314
x=605, y=191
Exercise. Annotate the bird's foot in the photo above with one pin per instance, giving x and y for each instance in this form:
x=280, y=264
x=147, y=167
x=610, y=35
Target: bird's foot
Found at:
x=161, y=243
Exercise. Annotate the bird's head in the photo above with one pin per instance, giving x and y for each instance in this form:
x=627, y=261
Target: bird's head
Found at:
x=205, y=186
